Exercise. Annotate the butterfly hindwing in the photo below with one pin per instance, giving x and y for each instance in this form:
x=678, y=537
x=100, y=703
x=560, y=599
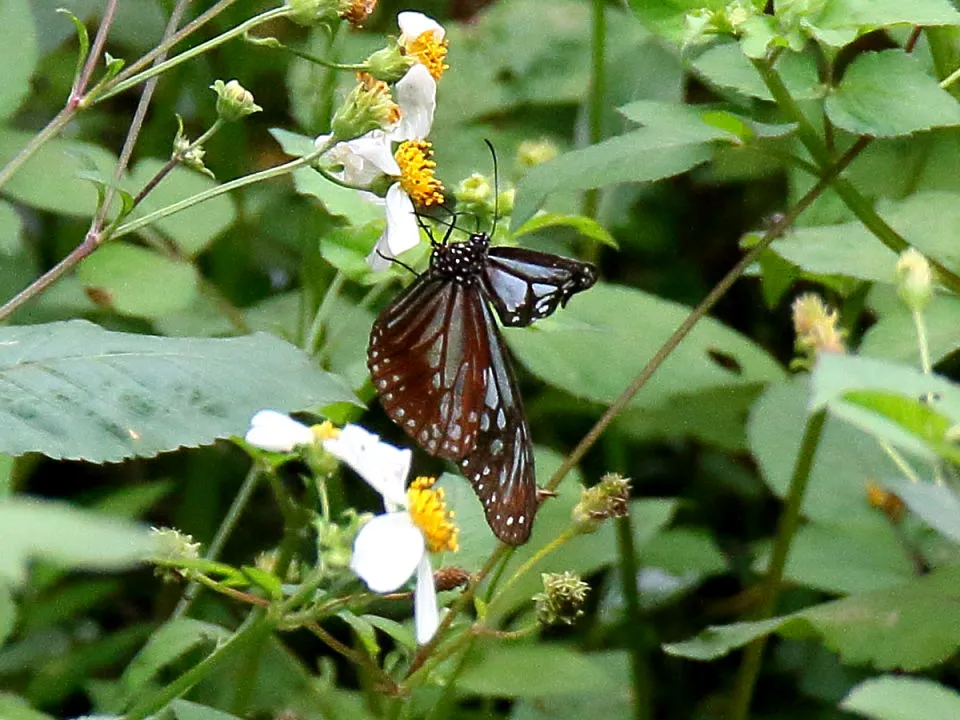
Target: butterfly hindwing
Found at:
x=500, y=468
x=527, y=285
x=428, y=357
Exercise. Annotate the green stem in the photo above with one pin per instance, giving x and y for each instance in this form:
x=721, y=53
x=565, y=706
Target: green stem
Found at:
x=921, y=327
x=253, y=629
x=639, y=662
x=560, y=540
x=786, y=530
x=323, y=312
x=899, y=461
x=240, y=182
x=222, y=535
x=852, y=198
x=111, y=89
x=591, y=198
x=700, y=311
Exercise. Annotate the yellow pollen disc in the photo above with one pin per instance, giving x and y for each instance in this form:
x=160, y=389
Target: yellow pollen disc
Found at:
x=325, y=430
x=430, y=51
x=429, y=512
x=416, y=173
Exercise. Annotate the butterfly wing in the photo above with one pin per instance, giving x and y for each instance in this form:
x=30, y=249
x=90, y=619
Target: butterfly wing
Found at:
x=428, y=356
x=500, y=467
x=526, y=285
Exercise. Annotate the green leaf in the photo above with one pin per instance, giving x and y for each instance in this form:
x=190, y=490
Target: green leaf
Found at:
x=847, y=557
x=910, y=626
x=58, y=158
x=500, y=670
x=83, y=41
x=887, y=94
x=133, y=280
x=193, y=229
x=587, y=227
x=886, y=400
x=402, y=634
x=674, y=140
x=667, y=17
x=168, y=643
x=186, y=710
x=13, y=707
x=893, y=336
x=927, y=220
x=884, y=13
x=725, y=66
x=73, y=390
x=893, y=697
x=846, y=461
x=363, y=629
x=16, y=31
x=683, y=550
x=32, y=529
x=8, y=612
x=936, y=505
x=631, y=326
x=11, y=226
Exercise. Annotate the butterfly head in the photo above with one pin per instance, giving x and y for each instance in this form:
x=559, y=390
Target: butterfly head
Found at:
x=461, y=262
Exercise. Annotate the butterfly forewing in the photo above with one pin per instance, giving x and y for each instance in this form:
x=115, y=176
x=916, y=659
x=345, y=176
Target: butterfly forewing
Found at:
x=526, y=285
x=500, y=467
x=427, y=358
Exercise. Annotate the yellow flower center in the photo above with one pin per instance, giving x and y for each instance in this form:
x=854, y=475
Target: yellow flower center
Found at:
x=377, y=94
x=416, y=173
x=325, y=431
x=429, y=512
x=430, y=51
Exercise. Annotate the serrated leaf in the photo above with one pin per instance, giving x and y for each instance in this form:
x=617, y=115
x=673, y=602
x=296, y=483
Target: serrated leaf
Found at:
x=139, y=282
x=910, y=626
x=674, y=140
x=725, y=66
x=73, y=390
x=888, y=94
x=894, y=697
x=32, y=529
x=884, y=13
x=587, y=227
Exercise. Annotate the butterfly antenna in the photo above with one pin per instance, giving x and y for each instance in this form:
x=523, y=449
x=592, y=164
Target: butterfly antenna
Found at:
x=496, y=188
x=401, y=263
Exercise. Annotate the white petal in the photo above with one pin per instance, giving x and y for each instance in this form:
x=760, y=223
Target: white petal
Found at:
x=403, y=233
x=387, y=551
x=378, y=259
x=382, y=465
x=277, y=432
x=416, y=94
x=426, y=616
x=364, y=158
x=414, y=24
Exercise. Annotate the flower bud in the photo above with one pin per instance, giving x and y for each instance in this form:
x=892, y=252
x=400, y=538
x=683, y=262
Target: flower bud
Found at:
x=390, y=64
x=356, y=11
x=562, y=599
x=815, y=325
x=450, y=578
x=369, y=106
x=314, y=12
x=535, y=152
x=173, y=546
x=335, y=540
x=192, y=157
x=277, y=432
x=234, y=102
x=607, y=499
x=475, y=197
x=914, y=279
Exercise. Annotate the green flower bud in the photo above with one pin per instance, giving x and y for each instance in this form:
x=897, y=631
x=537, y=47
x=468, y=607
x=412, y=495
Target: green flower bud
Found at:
x=914, y=279
x=562, y=599
x=233, y=101
x=390, y=63
x=186, y=155
x=173, y=546
x=314, y=12
x=535, y=152
x=369, y=106
x=607, y=499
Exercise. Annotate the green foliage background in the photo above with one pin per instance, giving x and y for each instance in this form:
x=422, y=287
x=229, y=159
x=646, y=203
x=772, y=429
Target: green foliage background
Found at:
x=120, y=385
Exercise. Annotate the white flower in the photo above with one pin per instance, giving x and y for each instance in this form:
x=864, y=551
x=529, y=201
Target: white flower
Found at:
x=392, y=547
x=416, y=94
x=277, y=432
x=424, y=39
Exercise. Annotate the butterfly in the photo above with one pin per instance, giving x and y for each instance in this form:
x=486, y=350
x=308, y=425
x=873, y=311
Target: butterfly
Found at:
x=443, y=373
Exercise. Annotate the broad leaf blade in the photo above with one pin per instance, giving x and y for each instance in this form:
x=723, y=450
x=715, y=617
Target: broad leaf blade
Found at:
x=73, y=390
